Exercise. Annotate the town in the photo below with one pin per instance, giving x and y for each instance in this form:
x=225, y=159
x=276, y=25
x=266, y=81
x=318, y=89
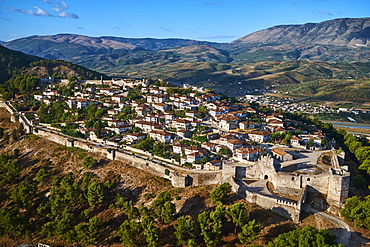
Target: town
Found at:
x=194, y=136
x=201, y=128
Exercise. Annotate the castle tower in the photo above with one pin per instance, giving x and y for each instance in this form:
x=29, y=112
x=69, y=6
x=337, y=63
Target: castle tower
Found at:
x=338, y=187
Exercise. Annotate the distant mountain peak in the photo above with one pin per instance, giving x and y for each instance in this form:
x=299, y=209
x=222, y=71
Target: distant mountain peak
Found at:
x=342, y=32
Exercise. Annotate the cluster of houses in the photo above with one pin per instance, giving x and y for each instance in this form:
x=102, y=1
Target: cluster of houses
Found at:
x=228, y=130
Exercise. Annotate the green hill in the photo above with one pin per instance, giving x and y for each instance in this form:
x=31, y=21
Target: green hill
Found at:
x=12, y=62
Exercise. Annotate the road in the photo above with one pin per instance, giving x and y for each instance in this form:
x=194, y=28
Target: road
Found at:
x=345, y=230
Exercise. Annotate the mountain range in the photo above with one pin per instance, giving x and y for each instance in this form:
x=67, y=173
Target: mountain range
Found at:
x=280, y=55
x=335, y=40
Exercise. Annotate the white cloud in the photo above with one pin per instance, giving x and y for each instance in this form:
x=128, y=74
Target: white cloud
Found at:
x=61, y=7
x=41, y=12
x=38, y=12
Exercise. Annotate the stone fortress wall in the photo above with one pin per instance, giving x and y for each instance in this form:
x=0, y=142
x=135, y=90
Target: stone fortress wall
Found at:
x=192, y=178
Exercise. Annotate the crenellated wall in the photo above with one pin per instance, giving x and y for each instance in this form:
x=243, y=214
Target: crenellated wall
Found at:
x=284, y=207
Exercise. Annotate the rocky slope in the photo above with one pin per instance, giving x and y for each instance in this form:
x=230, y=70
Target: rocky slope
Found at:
x=339, y=32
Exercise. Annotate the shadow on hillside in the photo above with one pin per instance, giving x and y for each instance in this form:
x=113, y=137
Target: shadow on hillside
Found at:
x=100, y=163
x=280, y=229
x=132, y=194
x=192, y=205
x=266, y=217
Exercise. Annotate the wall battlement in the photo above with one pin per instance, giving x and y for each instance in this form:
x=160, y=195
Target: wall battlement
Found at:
x=293, y=204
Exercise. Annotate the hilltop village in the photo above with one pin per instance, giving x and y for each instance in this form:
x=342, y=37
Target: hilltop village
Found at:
x=200, y=126
x=198, y=136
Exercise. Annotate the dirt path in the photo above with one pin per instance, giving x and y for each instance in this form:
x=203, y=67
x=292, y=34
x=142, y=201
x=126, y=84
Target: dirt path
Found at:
x=344, y=232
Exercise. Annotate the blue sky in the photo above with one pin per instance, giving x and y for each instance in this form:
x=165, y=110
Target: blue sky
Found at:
x=217, y=20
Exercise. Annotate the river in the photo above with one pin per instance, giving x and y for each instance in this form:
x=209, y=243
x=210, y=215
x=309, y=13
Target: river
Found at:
x=348, y=124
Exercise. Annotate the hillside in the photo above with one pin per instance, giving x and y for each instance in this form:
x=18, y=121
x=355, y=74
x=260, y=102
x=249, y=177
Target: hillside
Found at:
x=342, y=32
x=51, y=194
x=335, y=40
x=12, y=62
x=15, y=62
x=60, y=68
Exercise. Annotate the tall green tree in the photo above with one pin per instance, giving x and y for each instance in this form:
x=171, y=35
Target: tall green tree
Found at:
x=167, y=213
x=152, y=235
x=88, y=233
x=95, y=193
x=184, y=230
x=9, y=171
x=238, y=214
x=249, y=232
x=12, y=224
x=210, y=225
x=160, y=201
x=357, y=209
x=221, y=193
x=25, y=193
x=308, y=237
x=65, y=226
x=131, y=234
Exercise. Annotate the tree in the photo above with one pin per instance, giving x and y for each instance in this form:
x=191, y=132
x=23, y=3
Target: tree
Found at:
x=95, y=193
x=167, y=172
x=324, y=142
x=168, y=210
x=159, y=202
x=184, y=230
x=310, y=142
x=225, y=151
x=357, y=209
x=25, y=193
x=238, y=214
x=249, y=232
x=365, y=166
x=130, y=233
x=131, y=211
x=210, y=224
x=362, y=153
x=221, y=193
x=65, y=225
x=151, y=235
x=353, y=146
x=9, y=170
x=309, y=236
x=287, y=138
x=42, y=175
x=89, y=162
x=12, y=224
x=88, y=234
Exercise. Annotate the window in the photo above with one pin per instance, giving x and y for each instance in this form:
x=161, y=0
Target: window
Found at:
x=308, y=179
x=292, y=178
